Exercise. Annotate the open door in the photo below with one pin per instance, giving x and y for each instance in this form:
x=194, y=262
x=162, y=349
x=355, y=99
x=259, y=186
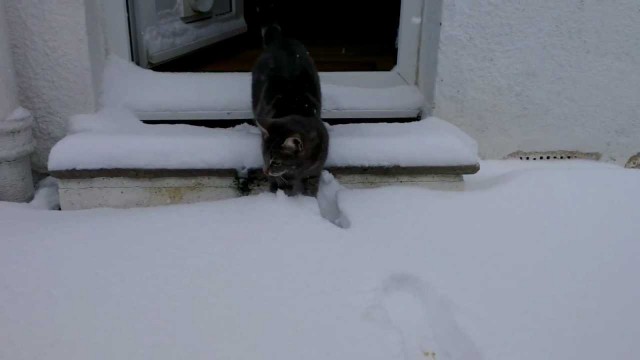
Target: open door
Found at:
x=162, y=30
x=376, y=59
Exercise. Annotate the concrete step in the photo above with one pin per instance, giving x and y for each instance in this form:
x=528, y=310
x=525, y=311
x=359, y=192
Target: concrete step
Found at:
x=127, y=188
x=112, y=160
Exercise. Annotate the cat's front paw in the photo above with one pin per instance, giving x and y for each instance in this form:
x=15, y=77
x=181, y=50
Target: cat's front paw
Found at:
x=311, y=185
x=273, y=186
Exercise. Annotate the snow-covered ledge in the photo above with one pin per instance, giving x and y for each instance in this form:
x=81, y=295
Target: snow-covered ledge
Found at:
x=201, y=96
x=111, y=159
x=16, y=146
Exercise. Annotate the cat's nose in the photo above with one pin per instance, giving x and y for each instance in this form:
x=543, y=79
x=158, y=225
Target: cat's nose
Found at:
x=265, y=170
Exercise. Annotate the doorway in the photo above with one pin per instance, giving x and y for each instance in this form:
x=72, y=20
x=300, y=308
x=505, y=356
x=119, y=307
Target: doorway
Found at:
x=340, y=35
x=369, y=54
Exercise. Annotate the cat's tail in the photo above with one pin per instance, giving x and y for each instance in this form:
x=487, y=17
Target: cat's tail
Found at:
x=267, y=11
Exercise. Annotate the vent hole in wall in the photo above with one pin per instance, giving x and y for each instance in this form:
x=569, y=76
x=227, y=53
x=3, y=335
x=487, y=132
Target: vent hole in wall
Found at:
x=553, y=155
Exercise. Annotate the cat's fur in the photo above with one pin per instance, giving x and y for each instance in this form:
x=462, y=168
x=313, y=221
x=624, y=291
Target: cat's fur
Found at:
x=287, y=99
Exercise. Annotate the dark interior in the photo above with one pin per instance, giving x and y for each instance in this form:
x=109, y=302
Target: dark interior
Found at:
x=341, y=35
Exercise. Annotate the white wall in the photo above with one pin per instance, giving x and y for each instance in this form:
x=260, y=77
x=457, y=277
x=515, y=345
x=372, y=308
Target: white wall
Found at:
x=97, y=42
x=55, y=74
x=8, y=91
x=542, y=75
x=514, y=74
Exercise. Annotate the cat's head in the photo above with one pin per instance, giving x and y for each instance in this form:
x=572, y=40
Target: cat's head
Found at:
x=292, y=145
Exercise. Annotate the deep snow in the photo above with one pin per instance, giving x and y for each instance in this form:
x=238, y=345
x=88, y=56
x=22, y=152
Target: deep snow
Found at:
x=532, y=261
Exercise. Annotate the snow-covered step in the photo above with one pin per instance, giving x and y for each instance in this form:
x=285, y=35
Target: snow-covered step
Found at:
x=112, y=159
x=115, y=139
x=203, y=96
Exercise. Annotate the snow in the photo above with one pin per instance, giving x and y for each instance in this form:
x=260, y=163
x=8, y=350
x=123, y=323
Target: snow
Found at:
x=18, y=114
x=46, y=196
x=429, y=142
x=328, y=203
x=228, y=92
x=114, y=138
x=172, y=91
x=531, y=261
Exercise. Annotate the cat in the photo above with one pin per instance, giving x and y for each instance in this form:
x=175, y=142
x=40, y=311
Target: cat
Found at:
x=287, y=103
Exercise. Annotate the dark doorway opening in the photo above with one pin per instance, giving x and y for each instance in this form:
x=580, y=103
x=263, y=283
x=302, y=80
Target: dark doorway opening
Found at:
x=351, y=35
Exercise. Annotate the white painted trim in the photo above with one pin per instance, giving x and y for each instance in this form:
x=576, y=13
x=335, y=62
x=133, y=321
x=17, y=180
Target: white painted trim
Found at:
x=409, y=34
x=117, y=27
x=428, y=58
x=363, y=79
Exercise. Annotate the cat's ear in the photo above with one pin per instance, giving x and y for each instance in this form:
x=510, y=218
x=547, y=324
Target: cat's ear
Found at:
x=293, y=144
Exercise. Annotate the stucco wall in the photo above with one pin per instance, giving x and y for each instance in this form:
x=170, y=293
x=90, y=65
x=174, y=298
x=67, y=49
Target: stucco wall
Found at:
x=514, y=74
x=542, y=75
x=55, y=75
x=8, y=98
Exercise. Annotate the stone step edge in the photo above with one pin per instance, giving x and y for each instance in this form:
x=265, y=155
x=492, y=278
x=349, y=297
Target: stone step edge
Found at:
x=348, y=170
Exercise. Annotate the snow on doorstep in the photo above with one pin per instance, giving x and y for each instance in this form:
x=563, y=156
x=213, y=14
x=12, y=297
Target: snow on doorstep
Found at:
x=428, y=142
x=115, y=139
x=141, y=90
x=542, y=269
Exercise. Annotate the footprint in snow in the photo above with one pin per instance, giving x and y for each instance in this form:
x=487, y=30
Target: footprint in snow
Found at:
x=423, y=320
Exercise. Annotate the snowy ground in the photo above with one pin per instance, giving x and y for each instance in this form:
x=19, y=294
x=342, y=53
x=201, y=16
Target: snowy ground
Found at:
x=533, y=261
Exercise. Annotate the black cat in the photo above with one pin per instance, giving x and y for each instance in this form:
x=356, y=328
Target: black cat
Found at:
x=287, y=102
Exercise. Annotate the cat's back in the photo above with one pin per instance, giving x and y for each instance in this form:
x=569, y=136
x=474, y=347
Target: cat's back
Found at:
x=287, y=58
x=285, y=72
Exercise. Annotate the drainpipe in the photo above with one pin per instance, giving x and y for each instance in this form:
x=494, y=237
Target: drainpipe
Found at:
x=16, y=146
x=16, y=140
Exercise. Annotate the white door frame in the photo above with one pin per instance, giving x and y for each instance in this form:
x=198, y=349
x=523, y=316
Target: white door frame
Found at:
x=407, y=70
x=116, y=24
x=409, y=36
